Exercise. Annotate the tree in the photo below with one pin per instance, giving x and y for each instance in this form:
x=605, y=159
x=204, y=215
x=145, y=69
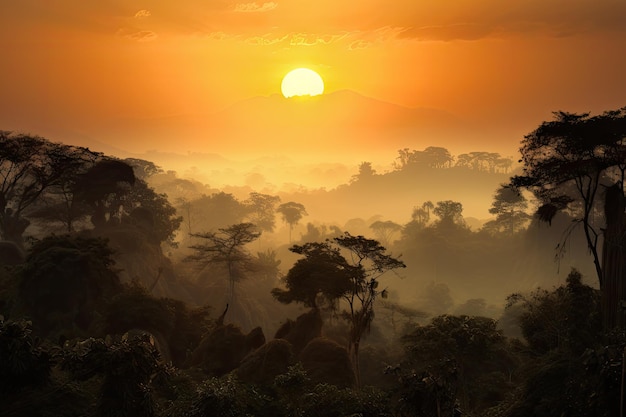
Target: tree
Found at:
x=66, y=282
x=29, y=167
x=566, y=318
x=509, y=206
x=292, y=213
x=366, y=172
x=438, y=157
x=454, y=355
x=368, y=262
x=348, y=268
x=384, y=230
x=226, y=247
x=421, y=215
x=320, y=276
x=58, y=204
x=566, y=163
x=450, y=213
x=149, y=210
x=262, y=209
x=97, y=186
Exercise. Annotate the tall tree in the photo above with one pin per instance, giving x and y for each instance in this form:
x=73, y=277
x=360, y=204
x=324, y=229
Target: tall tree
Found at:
x=321, y=276
x=345, y=268
x=368, y=262
x=509, y=206
x=567, y=162
x=385, y=230
x=366, y=172
x=450, y=213
x=226, y=247
x=292, y=213
x=29, y=166
x=97, y=186
x=262, y=210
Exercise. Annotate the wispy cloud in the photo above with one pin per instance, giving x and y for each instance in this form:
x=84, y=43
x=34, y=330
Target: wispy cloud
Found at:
x=255, y=7
x=139, y=35
x=142, y=14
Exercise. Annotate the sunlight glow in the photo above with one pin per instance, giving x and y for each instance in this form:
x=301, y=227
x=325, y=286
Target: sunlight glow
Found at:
x=302, y=82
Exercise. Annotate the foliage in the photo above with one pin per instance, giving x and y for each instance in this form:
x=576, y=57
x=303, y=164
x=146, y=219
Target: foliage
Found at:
x=23, y=361
x=151, y=212
x=65, y=283
x=566, y=318
x=320, y=276
x=366, y=172
x=450, y=214
x=129, y=369
x=226, y=247
x=385, y=230
x=29, y=167
x=100, y=184
x=262, y=209
x=227, y=397
x=291, y=213
x=459, y=357
x=182, y=326
x=509, y=206
x=566, y=162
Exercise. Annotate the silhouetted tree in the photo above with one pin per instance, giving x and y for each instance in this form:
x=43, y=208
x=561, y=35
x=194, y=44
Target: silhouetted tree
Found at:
x=421, y=215
x=438, y=157
x=29, y=167
x=509, y=206
x=292, y=213
x=322, y=272
x=368, y=262
x=96, y=187
x=454, y=354
x=450, y=213
x=365, y=172
x=262, y=210
x=151, y=211
x=566, y=161
x=384, y=230
x=227, y=247
x=66, y=282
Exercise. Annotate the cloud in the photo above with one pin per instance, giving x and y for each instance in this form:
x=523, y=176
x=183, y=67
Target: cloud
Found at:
x=142, y=14
x=266, y=39
x=137, y=35
x=255, y=7
x=310, y=39
x=359, y=44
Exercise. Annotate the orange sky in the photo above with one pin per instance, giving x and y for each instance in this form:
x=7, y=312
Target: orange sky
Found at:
x=81, y=66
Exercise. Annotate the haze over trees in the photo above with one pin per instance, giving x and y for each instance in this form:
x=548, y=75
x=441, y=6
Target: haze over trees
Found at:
x=430, y=312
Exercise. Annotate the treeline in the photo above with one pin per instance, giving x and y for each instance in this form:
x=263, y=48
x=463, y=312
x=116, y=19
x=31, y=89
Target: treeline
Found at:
x=77, y=339
x=438, y=157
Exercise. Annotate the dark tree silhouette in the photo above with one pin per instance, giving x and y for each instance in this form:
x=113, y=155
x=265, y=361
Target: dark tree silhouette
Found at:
x=385, y=230
x=262, y=210
x=566, y=162
x=292, y=213
x=509, y=206
x=29, y=167
x=226, y=247
x=96, y=187
x=322, y=275
x=450, y=213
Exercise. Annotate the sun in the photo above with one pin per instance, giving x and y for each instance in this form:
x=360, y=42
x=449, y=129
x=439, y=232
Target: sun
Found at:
x=302, y=82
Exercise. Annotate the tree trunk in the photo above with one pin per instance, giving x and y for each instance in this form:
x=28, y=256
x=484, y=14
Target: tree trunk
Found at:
x=613, y=290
